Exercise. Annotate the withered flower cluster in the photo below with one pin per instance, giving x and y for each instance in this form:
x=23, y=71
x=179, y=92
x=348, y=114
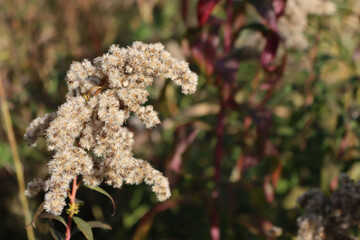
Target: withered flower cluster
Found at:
x=294, y=22
x=330, y=218
x=101, y=95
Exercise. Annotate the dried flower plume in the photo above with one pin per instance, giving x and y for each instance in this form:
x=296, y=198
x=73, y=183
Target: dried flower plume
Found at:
x=293, y=23
x=330, y=217
x=101, y=95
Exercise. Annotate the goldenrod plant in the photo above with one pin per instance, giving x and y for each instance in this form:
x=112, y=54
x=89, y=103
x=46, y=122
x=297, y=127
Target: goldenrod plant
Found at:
x=92, y=122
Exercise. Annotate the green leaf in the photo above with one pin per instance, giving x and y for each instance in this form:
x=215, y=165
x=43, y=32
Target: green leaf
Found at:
x=94, y=224
x=84, y=227
x=6, y=157
x=80, y=202
x=40, y=214
x=50, y=216
x=97, y=224
x=131, y=219
x=37, y=213
x=102, y=191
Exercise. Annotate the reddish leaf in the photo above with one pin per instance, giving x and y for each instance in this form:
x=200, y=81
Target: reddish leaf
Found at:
x=227, y=27
x=343, y=143
x=187, y=137
x=215, y=232
x=356, y=54
x=250, y=160
x=204, y=10
x=279, y=7
x=269, y=52
x=268, y=189
x=266, y=10
x=261, y=226
x=203, y=50
x=238, y=21
x=247, y=124
x=275, y=176
x=263, y=119
x=215, y=228
x=270, y=13
x=181, y=147
x=334, y=184
x=273, y=78
x=219, y=150
x=270, y=150
x=227, y=69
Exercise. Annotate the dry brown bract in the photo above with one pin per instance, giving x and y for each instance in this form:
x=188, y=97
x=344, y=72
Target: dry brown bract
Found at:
x=100, y=97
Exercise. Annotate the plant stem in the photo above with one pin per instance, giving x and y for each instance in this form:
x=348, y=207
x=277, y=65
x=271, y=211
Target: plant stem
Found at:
x=17, y=163
x=71, y=213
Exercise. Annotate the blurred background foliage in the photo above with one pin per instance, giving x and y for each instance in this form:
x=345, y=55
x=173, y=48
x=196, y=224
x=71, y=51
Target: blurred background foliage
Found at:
x=257, y=134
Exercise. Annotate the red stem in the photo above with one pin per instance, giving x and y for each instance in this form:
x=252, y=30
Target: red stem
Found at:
x=219, y=144
x=72, y=201
x=224, y=98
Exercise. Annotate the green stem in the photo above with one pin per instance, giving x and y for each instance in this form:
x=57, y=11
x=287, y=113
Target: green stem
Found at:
x=17, y=162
